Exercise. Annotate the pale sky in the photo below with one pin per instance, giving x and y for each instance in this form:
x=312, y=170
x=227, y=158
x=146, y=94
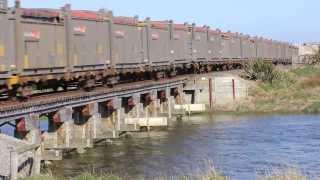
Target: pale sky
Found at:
x=286, y=20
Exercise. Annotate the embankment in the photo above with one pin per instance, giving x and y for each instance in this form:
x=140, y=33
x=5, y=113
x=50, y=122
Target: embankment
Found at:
x=293, y=90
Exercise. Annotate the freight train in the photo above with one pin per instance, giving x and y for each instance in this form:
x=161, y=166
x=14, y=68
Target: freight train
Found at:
x=59, y=49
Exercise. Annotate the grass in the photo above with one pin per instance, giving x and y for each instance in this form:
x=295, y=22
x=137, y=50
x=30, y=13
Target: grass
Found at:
x=283, y=174
x=311, y=82
x=80, y=177
x=306, y=70
x=208, y=176
x=209, y=173
x=291, y=91
x=313, y=108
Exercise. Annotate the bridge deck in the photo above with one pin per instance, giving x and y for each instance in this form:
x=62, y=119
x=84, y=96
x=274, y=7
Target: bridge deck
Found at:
x=49, y=103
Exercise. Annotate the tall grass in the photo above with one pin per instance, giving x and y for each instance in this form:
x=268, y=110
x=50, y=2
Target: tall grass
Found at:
x=283, y=174
x=207, y=176
x=259, y=70
x=207, y=173
x=211, y=174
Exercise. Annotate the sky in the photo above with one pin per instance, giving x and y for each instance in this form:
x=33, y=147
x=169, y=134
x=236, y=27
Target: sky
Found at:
x=294, y=21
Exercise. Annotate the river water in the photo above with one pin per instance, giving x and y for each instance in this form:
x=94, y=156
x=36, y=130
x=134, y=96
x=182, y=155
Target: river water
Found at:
x=240, y=147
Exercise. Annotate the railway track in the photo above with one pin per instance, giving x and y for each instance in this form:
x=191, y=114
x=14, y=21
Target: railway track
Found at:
x=11, y=110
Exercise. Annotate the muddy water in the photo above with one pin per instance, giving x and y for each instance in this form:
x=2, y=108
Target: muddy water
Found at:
x=240, y=147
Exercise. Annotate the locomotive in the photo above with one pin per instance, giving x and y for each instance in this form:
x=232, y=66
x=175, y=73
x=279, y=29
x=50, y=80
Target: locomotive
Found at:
x=44, y=50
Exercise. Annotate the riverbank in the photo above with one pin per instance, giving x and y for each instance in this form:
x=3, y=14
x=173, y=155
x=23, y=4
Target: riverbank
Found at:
x=211, y=174
x=288, y=174
x=296, y=91
x=112, y=177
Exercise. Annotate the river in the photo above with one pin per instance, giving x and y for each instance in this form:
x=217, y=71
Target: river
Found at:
x=240, y=147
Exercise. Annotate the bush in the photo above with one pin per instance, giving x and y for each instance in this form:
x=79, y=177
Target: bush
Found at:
x=267, y=73
x=260, y=70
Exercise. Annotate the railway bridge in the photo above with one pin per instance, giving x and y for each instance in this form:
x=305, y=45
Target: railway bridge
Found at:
x=77, y=120
x=48, y=126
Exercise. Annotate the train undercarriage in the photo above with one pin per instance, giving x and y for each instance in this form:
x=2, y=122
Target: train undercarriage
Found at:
x=22, y=88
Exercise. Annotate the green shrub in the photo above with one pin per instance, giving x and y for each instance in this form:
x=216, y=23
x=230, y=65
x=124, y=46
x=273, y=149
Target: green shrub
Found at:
x=267, y=73
x=260, y=70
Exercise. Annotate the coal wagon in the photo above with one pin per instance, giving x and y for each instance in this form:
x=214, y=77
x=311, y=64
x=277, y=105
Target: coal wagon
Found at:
x=214, y=46
x=129, y=43
x=7, y=56
x=180, y=43
x=158, y=34
x=248, y=47
x=88, y=40
x=199, y=43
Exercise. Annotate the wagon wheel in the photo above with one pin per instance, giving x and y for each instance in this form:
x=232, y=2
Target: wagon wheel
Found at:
x=89, y=84
x=4, y=92
x=24, y=92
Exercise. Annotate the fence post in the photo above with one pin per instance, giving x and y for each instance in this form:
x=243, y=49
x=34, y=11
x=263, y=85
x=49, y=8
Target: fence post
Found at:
x=210, y=93
x=233, y=89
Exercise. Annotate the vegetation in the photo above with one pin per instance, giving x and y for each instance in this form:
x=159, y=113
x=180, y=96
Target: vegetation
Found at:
x=259, y=70
x=273, y=174
x=283, y=174
x=315, y=59
x=282, y=90
x=307, y=70
x=80, y=177
x=208, y=174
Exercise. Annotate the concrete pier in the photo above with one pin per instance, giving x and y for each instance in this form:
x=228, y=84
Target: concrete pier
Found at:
x=75, y=130
x=146, y=114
